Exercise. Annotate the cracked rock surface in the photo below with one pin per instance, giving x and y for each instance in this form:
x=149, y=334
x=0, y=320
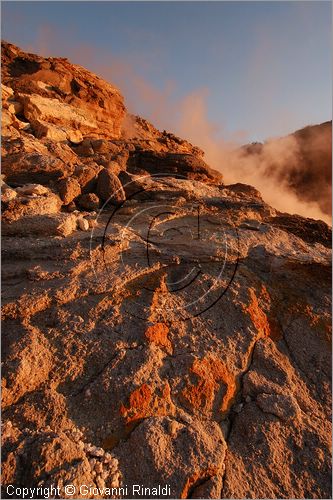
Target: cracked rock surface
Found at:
x=179, y=336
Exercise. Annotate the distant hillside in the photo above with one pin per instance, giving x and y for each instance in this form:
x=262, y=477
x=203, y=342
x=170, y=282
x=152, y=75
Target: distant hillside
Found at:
x=309, y=173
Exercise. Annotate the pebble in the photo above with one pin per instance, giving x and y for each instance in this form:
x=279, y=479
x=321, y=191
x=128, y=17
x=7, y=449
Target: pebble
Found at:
x=115, y=481
x=113, y=465
x=99, y=467
x=248, y=399
x=174, y=427
x=96, y=452
x=238, y=408
x=92, y=223
x=92, y=463
x=100, y=482
x=83, y=224
x=185, y=417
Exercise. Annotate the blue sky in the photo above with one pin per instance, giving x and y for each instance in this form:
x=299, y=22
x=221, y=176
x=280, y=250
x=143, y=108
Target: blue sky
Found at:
x=261, y=68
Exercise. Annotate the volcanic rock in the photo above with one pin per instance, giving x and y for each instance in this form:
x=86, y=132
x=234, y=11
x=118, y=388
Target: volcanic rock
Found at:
x=20, y=206
x=89, y=201
x=69, y=189
x=49, y=225
x=109, y=188
x=172, y=164
x=36, y=168
x=181, y=337
x=57, y=92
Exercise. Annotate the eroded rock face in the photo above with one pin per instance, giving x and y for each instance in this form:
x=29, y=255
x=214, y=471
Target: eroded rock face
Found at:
x=169, y=164
x=54, y=91
x=180, y=337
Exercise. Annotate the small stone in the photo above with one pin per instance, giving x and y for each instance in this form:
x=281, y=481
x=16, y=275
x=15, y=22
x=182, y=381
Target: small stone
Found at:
x=96, y=452
x=115, y=480
x=107, y=457
x=184, y=416
x=100, y=483
x=92, y=223
x=92, y=463
x=74, y=136
x=174, y=427
x=8, y=194
x=113, y=465
x=248, y=399
x=83, y=224
x=99, y=467
x=238, y=408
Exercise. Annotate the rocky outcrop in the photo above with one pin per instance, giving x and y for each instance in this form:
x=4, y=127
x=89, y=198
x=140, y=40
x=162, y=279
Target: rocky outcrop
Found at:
x=172, y=164
x=159, y=326
x=58, y=96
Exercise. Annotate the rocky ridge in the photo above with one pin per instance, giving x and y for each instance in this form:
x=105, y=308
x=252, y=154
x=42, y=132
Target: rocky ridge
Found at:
x=159, y=326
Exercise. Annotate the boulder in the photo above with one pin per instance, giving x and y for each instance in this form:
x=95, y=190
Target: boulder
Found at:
x=164, y=442
x=6, y=94
x=69, y=189
x=20, y=206
x=23, y=168
x=86, y=176
x=244, y=190
x=109, y=188
x=84, y=148
x=103, y=146
x=63, y=94
x=44, y=129
x=15, y=107
x=112, y=166
x=131, y=185
x=88, y=201
x=49, y=225
x=172, y=164
x=50, y=110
